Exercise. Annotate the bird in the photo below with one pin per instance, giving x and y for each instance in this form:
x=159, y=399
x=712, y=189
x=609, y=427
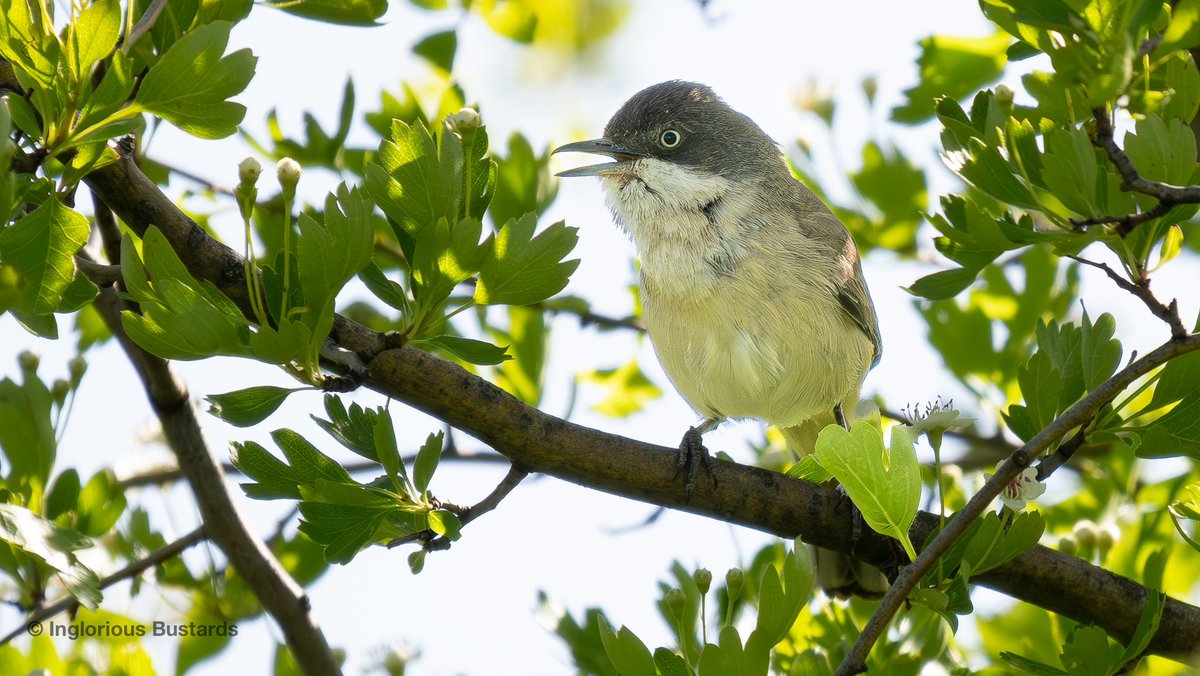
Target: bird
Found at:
x=752, y=290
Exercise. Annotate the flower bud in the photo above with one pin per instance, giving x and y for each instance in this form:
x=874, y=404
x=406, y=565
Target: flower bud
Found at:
x=59, y=391
x=1105, y=539
x=675, y=600
x=703, y=578
x=288, y=172
x=28, y=361
x=1004, y=95
x=734, y=580
x=249, y=170
x=77, y=367
x=466, y=119
x=1068, y=545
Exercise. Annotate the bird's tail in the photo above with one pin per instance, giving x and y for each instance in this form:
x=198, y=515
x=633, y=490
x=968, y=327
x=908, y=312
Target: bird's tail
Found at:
x=838, y=574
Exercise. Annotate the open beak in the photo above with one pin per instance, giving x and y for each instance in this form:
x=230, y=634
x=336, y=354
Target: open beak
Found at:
x=599, y=146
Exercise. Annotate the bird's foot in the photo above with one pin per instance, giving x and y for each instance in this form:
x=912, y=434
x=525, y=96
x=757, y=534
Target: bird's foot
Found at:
x=693, y=457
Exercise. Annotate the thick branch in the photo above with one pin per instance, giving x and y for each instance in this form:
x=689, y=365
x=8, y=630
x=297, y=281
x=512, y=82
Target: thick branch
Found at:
x=69, y=604
x=275, y=589
x=748, y=496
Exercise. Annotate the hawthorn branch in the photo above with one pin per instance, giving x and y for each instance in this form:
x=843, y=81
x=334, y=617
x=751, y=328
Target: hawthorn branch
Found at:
x=1141, y=290
x=466, y=514
x=1077, y=416
x=70, y=603
x=1132, y=181
x=279, y=594
x=749, y=496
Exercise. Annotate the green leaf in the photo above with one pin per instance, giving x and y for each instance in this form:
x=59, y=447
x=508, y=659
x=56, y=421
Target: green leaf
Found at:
x=524, y=184
x=943, y=284
x=1184, y=30
x=984, y=167
x=629, y=655
x=1040, y=385
x=670, y=663
x=388, y=453
x=308, y=463
x=445, y=523
x=1147, y=627
x=332, y=252
x=953, y=67
x=1087, y=652
x=520, y=268
x=92, y=36
x=244, y=408
x=274, y=479
x=1162, y=151
x=438, y=49
x=780, y=603
x=1069, y=169
x=526, y=336
x=55, y=546
x=63, y=496
x=343, y=12
x=181, y=317
x=190, y=84
x=628, y=389
x=993, y=545
x=884, y=484
x=416, y=179
x=385, y=289
x=467, y=349
x=354, y=429
x=41, y=247
x=101, y=503
x=1099, y=351
x=427, y=461
x=1176, y=433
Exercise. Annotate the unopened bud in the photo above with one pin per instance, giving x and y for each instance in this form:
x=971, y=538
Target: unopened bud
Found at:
x=734, y=580
x=59, y=391
x=466, y=119
x=675, y=601
x=1105, y=539
x=249, y=170
x=28, y=361
x=1068, y=545
x=870, y=86
x=1004, y=95
x=703, y=578
x=288, y=172
x=77, y=367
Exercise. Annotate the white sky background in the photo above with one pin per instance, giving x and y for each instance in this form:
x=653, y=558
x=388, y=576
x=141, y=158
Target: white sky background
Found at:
x=472, y=610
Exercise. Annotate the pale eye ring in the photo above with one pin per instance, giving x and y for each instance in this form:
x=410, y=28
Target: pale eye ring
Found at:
x=670, y=138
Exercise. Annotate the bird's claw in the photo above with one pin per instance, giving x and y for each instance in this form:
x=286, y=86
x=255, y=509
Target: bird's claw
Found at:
x=693, y=457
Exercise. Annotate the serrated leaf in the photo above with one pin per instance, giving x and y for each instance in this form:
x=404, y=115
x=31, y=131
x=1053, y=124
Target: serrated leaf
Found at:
x=628, y=390
x=993, y=545
x=626, y=651
x=885, y=485
x=387, y=451
x=274, y=478
x=416, y=178
x=521, y=268
x=190, y=84
x=306, y=461
x=354, y=429
x=55, y=546
x=1099, y=351
x=467, y=349
x=1175, y=433
x=427, y=461
x=250, y=406
x=41, y=247
x=438, y=49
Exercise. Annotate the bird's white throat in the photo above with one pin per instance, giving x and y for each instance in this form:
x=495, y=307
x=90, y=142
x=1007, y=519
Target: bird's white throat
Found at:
x=685, y=224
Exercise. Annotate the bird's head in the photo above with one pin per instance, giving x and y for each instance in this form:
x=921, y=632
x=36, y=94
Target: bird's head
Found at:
x=683, y=129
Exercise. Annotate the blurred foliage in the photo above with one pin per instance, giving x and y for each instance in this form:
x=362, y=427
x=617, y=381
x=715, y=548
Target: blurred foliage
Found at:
x=443, y=229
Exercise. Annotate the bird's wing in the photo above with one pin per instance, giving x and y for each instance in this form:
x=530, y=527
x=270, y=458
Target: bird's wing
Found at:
x=853, y=297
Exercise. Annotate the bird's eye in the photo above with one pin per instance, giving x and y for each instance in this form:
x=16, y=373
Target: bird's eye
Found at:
x=670, y=138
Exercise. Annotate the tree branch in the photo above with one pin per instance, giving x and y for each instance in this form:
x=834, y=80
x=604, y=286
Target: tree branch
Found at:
x=1076, y=416
x=749, y=496
x=69, y=604
x=467, y=514
x=275, y=589
x=1141, y=289
x=1131, y=181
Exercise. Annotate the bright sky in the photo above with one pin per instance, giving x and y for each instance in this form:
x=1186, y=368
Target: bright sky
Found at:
x=473, y=609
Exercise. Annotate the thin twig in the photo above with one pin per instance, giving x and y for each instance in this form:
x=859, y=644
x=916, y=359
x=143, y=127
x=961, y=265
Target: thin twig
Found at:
x=143, y=25
x=1167, y=313
x=166, y=475
x=467, y=515
x=98, y=273
x=1083, y=410
x=1062, y=456
x=1127, y=222
x=70, y=603
x=1131, y=181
